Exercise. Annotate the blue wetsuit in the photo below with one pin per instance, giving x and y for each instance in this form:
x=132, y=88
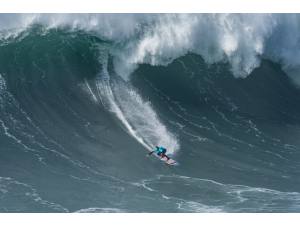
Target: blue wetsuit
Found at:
x=160, y=151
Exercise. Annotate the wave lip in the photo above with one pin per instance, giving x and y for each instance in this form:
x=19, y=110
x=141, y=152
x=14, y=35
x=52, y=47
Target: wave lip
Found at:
x=240, y=39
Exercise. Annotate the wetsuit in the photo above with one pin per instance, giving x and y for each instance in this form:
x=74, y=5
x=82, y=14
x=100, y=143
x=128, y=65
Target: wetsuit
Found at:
x=160, y=151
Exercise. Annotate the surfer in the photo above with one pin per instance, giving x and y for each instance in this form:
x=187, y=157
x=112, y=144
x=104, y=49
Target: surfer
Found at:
x=161, y=152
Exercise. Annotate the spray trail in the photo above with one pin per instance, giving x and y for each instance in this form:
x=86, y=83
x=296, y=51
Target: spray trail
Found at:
x=138, y=116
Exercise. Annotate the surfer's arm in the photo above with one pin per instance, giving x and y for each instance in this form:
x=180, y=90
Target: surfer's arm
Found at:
x=150, y=153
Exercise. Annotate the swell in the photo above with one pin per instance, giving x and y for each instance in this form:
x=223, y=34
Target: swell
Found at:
x=69, y=120
x=245, y=126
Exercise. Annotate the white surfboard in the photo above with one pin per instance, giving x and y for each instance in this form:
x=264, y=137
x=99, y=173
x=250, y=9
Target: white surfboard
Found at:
x=171, y=162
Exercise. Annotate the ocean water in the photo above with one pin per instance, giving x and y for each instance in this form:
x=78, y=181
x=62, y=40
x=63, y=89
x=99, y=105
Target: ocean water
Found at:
x=83, y=98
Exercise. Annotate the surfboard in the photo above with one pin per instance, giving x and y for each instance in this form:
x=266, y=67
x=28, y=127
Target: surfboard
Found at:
x=171, y=162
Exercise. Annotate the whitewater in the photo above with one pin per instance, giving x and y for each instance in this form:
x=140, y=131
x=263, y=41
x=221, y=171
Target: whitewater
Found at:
x=84, y=98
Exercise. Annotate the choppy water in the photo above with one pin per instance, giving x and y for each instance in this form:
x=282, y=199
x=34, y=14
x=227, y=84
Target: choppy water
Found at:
x=74, y=132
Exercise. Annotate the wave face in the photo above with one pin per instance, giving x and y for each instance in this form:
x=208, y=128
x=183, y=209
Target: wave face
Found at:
x=84, y=97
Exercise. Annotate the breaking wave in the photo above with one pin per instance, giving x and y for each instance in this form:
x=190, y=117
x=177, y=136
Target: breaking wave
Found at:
x=84, y=97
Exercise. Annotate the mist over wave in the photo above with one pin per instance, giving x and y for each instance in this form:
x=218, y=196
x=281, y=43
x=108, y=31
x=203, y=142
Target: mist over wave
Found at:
x=240, y=39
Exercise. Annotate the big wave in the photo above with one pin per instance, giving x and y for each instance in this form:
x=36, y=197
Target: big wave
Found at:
x=83, y=97
x=240, y=39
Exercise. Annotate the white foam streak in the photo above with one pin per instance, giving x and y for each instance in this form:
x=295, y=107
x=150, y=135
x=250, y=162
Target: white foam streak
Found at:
x=144, y=119
x=137, y=115
x=101, y=210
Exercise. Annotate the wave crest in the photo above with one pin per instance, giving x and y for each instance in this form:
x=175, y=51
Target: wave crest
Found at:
x=157, y=39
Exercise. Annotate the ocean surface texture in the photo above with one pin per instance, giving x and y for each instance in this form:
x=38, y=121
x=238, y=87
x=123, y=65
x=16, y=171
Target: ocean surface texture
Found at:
x=83, y=98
